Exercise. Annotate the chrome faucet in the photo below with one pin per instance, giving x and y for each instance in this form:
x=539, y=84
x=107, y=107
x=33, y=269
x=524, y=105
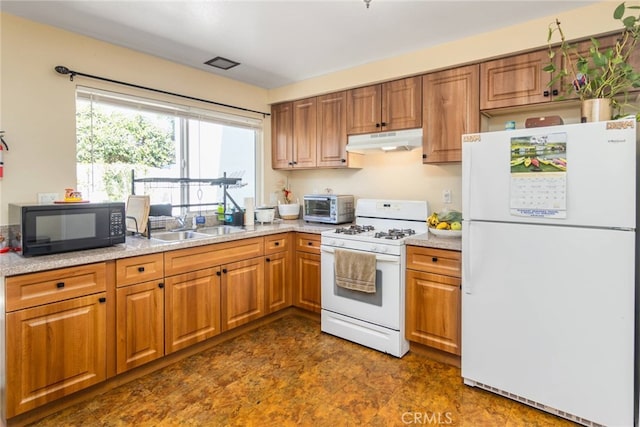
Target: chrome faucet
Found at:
x=182, y=222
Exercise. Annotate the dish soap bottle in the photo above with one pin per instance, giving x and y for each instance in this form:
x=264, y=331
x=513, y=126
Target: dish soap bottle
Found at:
x=228, y=215
x=220, y=212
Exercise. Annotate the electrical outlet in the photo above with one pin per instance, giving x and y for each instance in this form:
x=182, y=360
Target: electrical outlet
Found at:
x=46, y=198
x=446, y=196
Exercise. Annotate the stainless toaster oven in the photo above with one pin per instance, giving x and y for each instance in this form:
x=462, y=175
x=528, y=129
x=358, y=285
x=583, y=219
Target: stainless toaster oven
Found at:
x=329, y=208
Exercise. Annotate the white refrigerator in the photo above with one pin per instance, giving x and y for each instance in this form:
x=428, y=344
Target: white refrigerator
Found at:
x=549, y=268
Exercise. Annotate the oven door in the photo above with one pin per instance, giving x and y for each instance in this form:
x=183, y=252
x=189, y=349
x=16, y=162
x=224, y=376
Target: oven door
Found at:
x=381, y=308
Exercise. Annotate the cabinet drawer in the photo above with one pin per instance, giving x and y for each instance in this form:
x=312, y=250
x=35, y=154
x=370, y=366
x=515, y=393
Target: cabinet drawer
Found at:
x=192, y=259
x=30, y=290
x=139, y=269
x=430, y=260
x=308, y=242
x=276, y=243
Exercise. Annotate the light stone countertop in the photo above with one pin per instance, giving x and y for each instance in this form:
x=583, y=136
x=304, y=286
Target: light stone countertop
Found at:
x=12, y=264
x=428, y=240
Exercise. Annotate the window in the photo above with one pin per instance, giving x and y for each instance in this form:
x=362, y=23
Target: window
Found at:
x=118, y=134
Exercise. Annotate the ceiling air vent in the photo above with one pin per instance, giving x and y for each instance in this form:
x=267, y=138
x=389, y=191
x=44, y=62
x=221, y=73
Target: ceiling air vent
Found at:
x=222, y=63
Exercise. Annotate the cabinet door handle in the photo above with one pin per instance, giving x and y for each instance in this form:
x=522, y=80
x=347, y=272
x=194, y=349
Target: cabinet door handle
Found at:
x=224, y=270
x=384, y=124
x=343, y=160
x=377, y=125
x=161, y=285
x=218, y=273
x=268, y=259
x=60, y=285
x=102, y=300
x=545, y=93
x=141, y=269
x=555, y=92
x=424, y=156
x=434, y=259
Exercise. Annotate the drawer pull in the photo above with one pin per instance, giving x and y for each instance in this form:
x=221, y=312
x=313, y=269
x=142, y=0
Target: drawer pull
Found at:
x=60, y=285
x=277, y=243
x=310, y=243
x=141, y=269
x=434, y=259
x=102, y=299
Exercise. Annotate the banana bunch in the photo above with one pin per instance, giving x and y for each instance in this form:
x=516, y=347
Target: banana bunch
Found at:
x=433, y=220
x=451, y=220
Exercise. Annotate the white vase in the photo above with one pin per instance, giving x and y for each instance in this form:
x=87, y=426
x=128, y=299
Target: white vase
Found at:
x=596, y=110
x=289, y=210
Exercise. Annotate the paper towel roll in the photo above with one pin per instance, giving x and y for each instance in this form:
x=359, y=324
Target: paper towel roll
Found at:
x=249, y=214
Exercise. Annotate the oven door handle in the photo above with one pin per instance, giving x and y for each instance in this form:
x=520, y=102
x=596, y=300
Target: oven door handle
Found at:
x=379, y=257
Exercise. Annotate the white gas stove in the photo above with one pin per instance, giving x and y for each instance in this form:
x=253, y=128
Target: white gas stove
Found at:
x=374, y=319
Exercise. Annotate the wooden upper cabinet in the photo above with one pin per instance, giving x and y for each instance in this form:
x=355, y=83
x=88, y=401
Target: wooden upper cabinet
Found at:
x=451, y=109
x=364, y=114
x=282, y=135
x=385, y=107
x=515, y=80
x=304, y=133
x=402, y=104
x=332, y=130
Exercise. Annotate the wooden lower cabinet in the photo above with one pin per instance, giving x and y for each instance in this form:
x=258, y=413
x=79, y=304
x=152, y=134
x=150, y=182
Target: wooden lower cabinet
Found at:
x=54, y=350
x=277, y=271
x=306, y=292
x=242, y=292
x=277, y=282
x=192, y=308
x=140, y=324
x=433, y=308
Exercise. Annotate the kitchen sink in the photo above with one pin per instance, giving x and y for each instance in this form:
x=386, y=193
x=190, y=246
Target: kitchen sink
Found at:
x=220, y=230
x=172, y=236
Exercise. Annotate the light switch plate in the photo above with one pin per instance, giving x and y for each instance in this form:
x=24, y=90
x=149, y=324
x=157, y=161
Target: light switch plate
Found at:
x=446, y=196
x=46, y=198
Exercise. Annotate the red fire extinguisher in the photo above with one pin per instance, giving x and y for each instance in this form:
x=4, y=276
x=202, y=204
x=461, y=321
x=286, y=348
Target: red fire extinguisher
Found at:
x=3, y=146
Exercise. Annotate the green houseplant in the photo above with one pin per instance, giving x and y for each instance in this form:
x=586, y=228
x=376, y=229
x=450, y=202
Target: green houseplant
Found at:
x=598, y=73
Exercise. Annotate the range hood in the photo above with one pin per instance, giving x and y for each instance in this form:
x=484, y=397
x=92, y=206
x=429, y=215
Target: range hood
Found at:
x=401, y=140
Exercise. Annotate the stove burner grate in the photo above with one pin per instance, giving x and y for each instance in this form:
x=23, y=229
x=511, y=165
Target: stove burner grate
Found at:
x=394, y=234
x=354, y=229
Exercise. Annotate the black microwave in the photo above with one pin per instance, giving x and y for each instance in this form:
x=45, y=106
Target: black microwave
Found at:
x=55, y=228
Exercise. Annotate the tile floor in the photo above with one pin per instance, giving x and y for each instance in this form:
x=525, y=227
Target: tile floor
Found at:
x=288, y=373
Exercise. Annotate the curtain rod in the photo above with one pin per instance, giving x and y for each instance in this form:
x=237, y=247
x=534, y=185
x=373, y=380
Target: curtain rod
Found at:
x=61, y=69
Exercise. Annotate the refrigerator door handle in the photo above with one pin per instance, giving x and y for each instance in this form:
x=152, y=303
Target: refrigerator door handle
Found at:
x=467, y=286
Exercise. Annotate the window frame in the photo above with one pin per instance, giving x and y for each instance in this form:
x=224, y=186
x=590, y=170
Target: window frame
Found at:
x=184, y=113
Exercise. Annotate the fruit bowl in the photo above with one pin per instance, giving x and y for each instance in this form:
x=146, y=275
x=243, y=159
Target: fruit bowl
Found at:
x=445, y=233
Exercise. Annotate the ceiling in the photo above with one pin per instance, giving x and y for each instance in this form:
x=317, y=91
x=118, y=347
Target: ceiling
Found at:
x=282, y=42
